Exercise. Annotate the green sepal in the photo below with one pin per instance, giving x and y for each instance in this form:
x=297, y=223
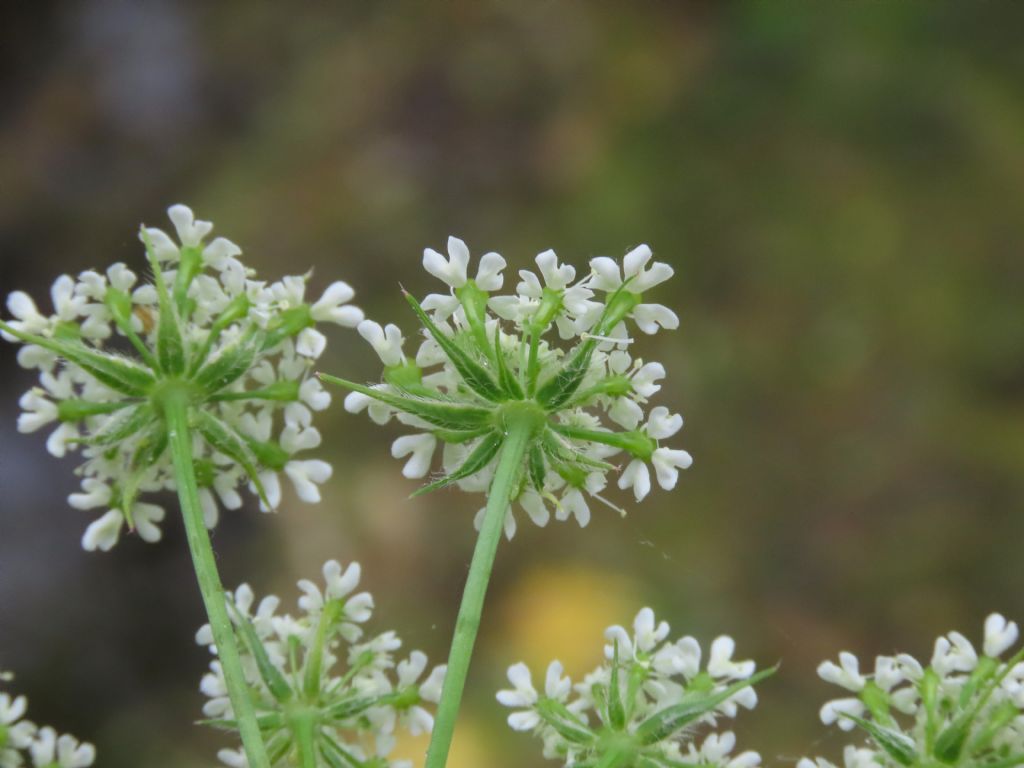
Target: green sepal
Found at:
x=233, y=312
x=342, y=758
x=269, y=453
x=478, y=458
x=561, y=452
x=122, y=426
x=877, y=702
x=950, y=743
x=634, y=442
x=113, y=371
x=474, y=304
x=896, y=744
x=231, y=362
x=278, y=746
x=538, y=470
x=120, y=305
x=270, y=674
x=620, y=304
x=568, y=725
x=190, y=264
x=151, y=447
x=460, y=435
x=928, y=687
x=548, y=309
x=76, y=410
x=405, y=375
x=998, y=718
x=284, y=391
x=349, y=708
x=664, y=723
x=332, y=611
x=266, y=721
x=474, y=374
x=637, y=677
x=559, y=389
x=288, y=323
x=616, y=711
x=170, y=348
x=224, y=439
x=987, y=666
x=437, y=413
x=613, y=386
x=506, y=380
x=206, y=472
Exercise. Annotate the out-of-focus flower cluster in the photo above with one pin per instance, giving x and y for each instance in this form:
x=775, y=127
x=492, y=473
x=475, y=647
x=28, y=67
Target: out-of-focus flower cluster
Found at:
x=23, y=743
x=488, y=358
x=643, y=706
x=962, y=709
x=238, y=349
x=324, y=694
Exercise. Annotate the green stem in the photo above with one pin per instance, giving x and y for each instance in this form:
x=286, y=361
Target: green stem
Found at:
x=517, y=440
x=176, y=412
x=614, y=758
x=304, y=730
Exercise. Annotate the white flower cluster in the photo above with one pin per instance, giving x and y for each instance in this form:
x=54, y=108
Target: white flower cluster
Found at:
x=483, y=353
x=23, y=743
x=241, y=350
x=323, y=693
x=963, y=709
x=641, y=707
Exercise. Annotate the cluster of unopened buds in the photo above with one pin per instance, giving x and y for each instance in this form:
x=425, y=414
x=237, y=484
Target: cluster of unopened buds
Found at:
x=324, y=694
x=23, y=743
x=239, y=350
x=962, y=709
x=488, y=360
x=641, y=708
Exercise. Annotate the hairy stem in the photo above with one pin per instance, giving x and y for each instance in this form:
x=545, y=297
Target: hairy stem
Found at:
x=517, y=440
x=180, y=437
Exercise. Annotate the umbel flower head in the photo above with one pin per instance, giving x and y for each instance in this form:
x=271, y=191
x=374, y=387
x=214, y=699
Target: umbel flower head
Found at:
x=641, y=708
x=489, y=361
x=23, y=743
x=324, y=694
x=965, y=708
x=236, y=350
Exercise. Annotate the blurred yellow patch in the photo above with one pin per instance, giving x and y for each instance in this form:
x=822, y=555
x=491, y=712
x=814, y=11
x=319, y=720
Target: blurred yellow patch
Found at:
x=469, y=749
x=560, y=612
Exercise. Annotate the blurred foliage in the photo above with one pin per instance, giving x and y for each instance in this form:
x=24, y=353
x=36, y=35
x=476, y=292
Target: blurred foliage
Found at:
x=837, y=184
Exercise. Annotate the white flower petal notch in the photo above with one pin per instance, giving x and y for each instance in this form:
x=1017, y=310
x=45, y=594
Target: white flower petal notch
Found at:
x=642, y=706
x=488, y=359
x=961, y=709
x=237, y=350
x=356, y=694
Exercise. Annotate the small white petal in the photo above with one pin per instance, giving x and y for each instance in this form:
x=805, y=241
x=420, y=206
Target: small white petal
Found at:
x=310, y=343
x=102, y=534
x=1000, y=635
x=420, y=449
x=306, y=476
x=638, y=477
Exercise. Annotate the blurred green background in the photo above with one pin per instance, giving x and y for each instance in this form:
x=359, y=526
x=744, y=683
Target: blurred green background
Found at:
x=838, y=186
